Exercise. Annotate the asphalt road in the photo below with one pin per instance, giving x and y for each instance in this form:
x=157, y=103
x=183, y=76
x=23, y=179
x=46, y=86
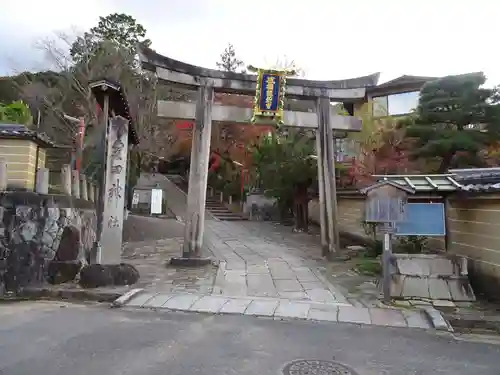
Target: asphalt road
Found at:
x=48, y=338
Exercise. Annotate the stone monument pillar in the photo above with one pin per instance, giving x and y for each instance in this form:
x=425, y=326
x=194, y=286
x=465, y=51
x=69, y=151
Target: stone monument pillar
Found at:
x=113, y=192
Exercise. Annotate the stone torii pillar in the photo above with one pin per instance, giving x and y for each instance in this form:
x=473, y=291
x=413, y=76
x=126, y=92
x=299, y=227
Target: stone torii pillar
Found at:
x=325, y=120
x=198, y=174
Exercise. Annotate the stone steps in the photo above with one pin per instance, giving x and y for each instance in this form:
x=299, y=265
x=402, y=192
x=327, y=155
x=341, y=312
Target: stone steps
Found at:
x=212, y=205
x=221, y=212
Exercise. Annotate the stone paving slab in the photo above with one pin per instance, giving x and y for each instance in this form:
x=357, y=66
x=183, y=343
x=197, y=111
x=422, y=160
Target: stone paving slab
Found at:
x=262, y=308
x=158, y=301
x=209, y=304
x=323, y=315
x=282, y=308
x=353, y=314
x=387, y=317
x=140, y=299
x=235, y=306
x=182, y=302
x=288, y=309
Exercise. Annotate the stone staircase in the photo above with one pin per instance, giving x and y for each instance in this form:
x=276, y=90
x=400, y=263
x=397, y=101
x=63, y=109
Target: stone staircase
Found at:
x=212, y=205
x=221, y=212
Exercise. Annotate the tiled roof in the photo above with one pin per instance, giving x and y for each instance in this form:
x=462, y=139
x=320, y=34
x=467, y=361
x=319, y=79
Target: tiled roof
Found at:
x=473, y=180
x=478, y=179
x=16, y=131
x=117, y=103
x=406, y=79
x=424, y=183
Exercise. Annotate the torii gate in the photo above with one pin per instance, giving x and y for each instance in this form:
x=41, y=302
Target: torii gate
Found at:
x=203, y=112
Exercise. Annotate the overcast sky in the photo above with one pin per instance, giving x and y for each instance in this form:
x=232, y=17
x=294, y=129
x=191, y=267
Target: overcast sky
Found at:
x=329, y=39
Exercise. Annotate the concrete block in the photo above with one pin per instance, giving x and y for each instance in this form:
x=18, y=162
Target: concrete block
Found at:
x=415, y=287
x=437, y=320
x=416, y=319
x=125, y=298
x=461, y=290
x=413, y=266
x=442, y=267
x=438, y=289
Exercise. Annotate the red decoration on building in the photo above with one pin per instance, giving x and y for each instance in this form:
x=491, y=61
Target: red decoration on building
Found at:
x=214, y=162
x=184, y=125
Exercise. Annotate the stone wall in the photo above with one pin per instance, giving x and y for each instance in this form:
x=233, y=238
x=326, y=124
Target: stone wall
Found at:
x=37, y=229
x=21, y=158
x=350, y=209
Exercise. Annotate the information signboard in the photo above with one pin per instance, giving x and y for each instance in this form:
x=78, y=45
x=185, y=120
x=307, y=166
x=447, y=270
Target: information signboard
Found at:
x=156, y=201
x=423, y=219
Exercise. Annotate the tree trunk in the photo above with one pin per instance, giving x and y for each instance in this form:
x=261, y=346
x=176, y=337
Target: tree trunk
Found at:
x=446, y=162
x=300, y=209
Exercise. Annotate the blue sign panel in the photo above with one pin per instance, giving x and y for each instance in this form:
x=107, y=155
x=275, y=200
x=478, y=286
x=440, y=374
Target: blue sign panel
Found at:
x=423, y=219
x=270, y=92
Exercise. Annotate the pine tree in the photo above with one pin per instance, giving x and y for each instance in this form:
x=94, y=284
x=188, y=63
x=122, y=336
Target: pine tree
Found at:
x=229, y=61
x=455, y=120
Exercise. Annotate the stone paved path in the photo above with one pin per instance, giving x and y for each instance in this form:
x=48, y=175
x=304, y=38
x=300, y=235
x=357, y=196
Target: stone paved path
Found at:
x=262, y=272
x=257, y=263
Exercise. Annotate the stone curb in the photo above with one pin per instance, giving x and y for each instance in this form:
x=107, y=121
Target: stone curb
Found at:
x=437, y=320
x=279, y=309
x=77, y=295
x=125, y=298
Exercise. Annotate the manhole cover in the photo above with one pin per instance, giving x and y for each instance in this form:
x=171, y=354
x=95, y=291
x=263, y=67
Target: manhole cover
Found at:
x=316, y=367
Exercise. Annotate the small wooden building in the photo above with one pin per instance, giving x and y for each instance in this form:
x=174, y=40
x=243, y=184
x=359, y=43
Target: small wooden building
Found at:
x=24, y=151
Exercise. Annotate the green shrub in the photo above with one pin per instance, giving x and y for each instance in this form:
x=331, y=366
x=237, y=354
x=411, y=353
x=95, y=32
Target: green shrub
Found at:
x=369, y=267
x=411, y=244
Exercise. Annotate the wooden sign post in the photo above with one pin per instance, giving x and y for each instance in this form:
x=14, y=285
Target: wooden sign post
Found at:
x=385, y=204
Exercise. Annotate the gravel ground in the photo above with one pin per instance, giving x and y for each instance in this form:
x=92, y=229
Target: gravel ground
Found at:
x=143, y=228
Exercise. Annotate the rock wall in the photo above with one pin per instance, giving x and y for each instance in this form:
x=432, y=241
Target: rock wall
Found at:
x=37, y=229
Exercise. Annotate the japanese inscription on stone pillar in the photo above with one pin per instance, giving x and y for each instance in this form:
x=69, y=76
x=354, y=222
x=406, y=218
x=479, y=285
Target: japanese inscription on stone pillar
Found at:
x=114, y=190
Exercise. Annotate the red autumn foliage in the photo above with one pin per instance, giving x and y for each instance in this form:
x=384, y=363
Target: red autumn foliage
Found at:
x=383, y=151
x=228, y=139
